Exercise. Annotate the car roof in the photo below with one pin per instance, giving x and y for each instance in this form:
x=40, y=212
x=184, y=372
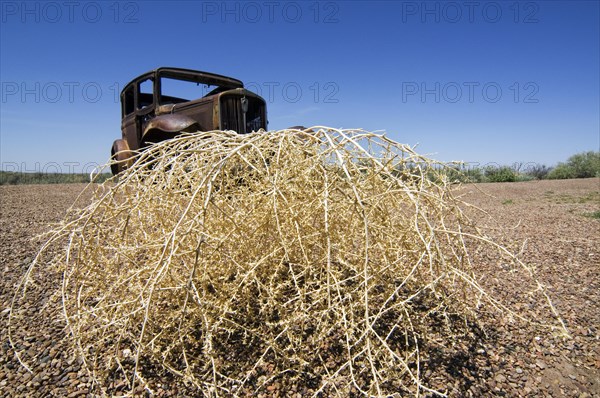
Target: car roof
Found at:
x=192, y=75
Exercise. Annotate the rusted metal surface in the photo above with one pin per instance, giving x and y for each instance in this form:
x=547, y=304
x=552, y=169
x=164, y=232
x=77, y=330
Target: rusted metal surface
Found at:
x=121, y=153
x=149, y=113
x=169, y=123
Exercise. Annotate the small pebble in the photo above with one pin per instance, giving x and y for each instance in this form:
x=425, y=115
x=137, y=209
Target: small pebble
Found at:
x=540, y=364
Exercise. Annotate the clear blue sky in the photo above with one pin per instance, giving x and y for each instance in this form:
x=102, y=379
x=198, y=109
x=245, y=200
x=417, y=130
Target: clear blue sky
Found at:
x=485, y=81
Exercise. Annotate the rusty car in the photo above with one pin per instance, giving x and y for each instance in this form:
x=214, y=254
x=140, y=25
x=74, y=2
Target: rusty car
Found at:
x=167, y=101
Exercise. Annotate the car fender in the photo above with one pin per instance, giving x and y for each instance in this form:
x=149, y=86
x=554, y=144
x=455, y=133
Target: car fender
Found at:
x=121, y=156
x=172, y=123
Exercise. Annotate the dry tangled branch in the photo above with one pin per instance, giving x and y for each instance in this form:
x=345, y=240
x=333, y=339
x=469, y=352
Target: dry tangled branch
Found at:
x=234, y=261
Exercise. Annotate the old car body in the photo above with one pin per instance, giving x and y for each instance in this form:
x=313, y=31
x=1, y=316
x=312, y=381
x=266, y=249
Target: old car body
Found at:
x=166, y=101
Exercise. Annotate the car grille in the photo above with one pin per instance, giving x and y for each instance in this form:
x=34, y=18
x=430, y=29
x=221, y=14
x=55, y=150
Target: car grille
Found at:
x=232, y=117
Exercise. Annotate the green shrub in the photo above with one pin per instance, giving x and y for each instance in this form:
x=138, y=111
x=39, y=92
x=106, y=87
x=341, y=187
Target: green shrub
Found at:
x=16, y=178
x=586, y=164
x=524, y=177
x=500, y=174
x=581, y=165
x=463, y=173
x=561, y=172
x=474, y=174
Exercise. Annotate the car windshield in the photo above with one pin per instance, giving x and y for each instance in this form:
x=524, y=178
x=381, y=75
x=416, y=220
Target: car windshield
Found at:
x=173, y=91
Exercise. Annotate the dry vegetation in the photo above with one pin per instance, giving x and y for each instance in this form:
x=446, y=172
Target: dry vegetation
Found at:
x=332, y=262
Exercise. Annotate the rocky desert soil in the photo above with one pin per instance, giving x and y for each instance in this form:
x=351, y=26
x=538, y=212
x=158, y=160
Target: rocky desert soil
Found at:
x=552, y=220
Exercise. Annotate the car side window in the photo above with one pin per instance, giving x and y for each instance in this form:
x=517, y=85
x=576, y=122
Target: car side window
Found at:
x=127, y=101
x=145, y=90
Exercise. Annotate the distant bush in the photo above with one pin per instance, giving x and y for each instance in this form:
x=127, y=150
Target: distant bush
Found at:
x=500, y=174
x=15, y=178
x=561, y=172
x=496, y=173
x=473, y=174
x=538, y=171
x=581, y=165
x=524, y=177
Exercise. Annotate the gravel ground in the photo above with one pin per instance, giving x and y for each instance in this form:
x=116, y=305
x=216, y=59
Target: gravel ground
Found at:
x=551, y=217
